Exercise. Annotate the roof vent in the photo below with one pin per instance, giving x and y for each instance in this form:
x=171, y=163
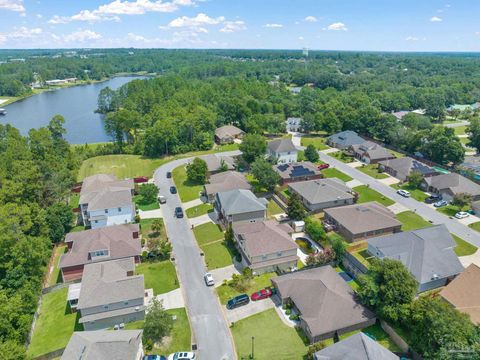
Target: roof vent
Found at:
x=435, y=277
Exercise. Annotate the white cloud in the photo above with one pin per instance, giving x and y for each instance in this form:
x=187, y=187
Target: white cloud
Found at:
x=273, y=25
x=200, y=20
x=24, y=33
x=81, y=36
x=233, y=26
x=12, y=5
x=311, y=19
x=337, y=26
x=435, y=19
x=411, y=38
x=301, y=38
x=87, y=15
x=134, y=37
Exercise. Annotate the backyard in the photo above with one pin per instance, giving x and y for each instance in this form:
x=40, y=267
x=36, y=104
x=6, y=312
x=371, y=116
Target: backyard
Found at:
x=55, y=324
x=412, y=221
x=317, y=141
x=372, y=170
x=415, y=193
x=159, y=276
x=273, y=209
x=366, y=194
x=227, y=291
x=187, y=190
x=199, y=210
x=332, y=172
x=55, y=277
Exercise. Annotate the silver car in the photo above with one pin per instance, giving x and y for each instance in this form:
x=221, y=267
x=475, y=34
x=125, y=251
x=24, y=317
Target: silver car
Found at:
x=209, y=279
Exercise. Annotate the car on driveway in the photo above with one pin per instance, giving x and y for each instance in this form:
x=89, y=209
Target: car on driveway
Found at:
x=262, y=294
x=323, y=166
x=173, y=190
x=209, y=279
x=238, y=301
x=169, y=174
x=178, y=212
x=140, y=179
x=440, y=203
x=183, y=355
x=462, y=215
x=154, y=357
x=403, y=193
x=432, y=199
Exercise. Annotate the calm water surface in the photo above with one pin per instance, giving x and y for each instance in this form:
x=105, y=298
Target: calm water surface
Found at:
x=76, y=104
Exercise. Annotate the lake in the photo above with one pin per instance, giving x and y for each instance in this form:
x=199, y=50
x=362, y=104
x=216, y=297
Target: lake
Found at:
x=76, y=104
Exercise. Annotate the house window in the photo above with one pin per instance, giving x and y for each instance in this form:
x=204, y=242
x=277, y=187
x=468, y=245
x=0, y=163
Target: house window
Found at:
x=105, y=307
x=125, y=303
x=119, y=209
x=279, y=253
x=96, y=221
x=264, y=257
x=106, y=211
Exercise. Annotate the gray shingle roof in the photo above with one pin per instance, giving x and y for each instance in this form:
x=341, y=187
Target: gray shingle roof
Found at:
x=322, y=190
x=104, y=191
x=453, y=182
x=404, y=166
x=240, y=201
x=107, y=282
x=426, y=252
x=326, y=302
x=281, y=145
x=228, y=131
x=361, y=218
x=346, y=138
x=225, y=181
x=118, y=239
x=214, y=161
x=373, y=150
x=355, y=347
x=103, y=345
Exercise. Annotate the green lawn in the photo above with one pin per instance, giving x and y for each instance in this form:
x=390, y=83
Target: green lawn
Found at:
x=143, y=205
x=74, y=198
x=217, y=255
x=186, y=189
x=271, y=335
x=332, y=172
x=54, y=326
x=226, y=292
x=367, y=194
x=460, y=130
x=463, y=248
x=78, y=228
x=180, y=337
x=55, y=276
x=199, y=210
x=146, y=229
x=317, y=141
x=415, y=193
x=159, y=276
x=273, y=209
x=376, y=332
x=372, y=170
x=449, y=210
x=342, y=156
x=475, y=226
x=412, y=221
x=207, y=233
x=363, y=256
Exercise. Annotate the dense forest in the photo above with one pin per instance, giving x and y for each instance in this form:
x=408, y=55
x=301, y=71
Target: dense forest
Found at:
x=36, y=173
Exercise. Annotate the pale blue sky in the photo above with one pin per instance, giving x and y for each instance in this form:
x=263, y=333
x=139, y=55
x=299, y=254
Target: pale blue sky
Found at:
x=379, y=25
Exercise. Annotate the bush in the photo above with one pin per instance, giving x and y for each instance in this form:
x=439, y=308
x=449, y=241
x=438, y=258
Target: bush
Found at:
x=149, y=193
x=294, y=317
x=312, y=349
x=288, y=312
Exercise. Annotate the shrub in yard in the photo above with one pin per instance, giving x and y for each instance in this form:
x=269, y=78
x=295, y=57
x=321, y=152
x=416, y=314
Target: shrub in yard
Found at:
x=294, y=317
x=311, y=153
x=137, y=219
x=312, y=349
x=314, y=229
x=149, y=193
x=288, y=311
x=197, y=171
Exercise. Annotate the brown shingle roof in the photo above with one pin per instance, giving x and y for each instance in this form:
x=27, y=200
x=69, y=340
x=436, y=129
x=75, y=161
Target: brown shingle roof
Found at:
x=228, y=131
x=464, y=293
x=225, y=181
x=296, y=169
x=104, y=191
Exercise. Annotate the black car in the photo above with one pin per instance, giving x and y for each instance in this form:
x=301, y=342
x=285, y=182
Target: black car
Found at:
x=154, y=357
x=238, y=301
x=173, y=190
x=169, y=174
x=432, y=199
x=178, y=212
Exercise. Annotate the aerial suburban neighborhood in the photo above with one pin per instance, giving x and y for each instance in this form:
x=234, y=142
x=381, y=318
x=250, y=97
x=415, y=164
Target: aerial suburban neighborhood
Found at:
x=197, y=192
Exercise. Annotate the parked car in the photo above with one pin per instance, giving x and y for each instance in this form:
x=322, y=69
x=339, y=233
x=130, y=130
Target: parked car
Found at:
x=140, y=179
x=432, y=199
x=161, y=199
x=182, y=356
x=238, y=301
x=173, y=190
x=462, y=215
x=323, y=166
x=154, y=357
x=403, y=193
x=440, y=203
x=262, y=294
x=169, y=174
x=178, y=212
x=209, y=279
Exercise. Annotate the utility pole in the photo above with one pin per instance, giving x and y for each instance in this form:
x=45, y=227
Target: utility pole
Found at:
x=253, y=348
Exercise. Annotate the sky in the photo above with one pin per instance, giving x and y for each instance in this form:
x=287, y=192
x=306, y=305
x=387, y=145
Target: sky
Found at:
x=373, y=25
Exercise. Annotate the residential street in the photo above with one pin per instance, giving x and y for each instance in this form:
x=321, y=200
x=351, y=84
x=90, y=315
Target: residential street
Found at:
x=209, y=327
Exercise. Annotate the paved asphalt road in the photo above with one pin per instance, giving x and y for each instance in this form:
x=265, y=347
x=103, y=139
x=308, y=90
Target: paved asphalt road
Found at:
x=422, y=209
x=209, y=327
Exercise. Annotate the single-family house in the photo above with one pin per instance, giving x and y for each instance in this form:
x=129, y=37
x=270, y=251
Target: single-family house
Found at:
x=355, y=347
x=111, y=294
x=463, y=293
x=293, y=124
x=239, y=205
x=95, y=245
x=321, y=194
x=344, y=139
x=400, y=114
x=361, y=221
x=106, y=201
x=225, y=181
x=401, y=168
x=296, y=90
x=105, y=345
x=227, y=134
x=370, y=152
x=282, y=151
x=427, y=253
x=217, y=163
x=471, y=163
x=464, y=107
x=297, y=171
x=449, y=185
x=266, y=246
x=326, y=304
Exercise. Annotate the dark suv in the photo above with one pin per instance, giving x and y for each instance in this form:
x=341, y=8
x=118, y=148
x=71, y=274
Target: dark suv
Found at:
x=432, y=199
x=237, y=301
x=178, y=212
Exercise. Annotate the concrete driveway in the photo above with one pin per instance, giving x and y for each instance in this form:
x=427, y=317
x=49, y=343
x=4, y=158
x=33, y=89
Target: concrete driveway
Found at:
x=225, y=273
x=209, y=327
x=150, y=214
x=252, y=308
x=172, y=299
